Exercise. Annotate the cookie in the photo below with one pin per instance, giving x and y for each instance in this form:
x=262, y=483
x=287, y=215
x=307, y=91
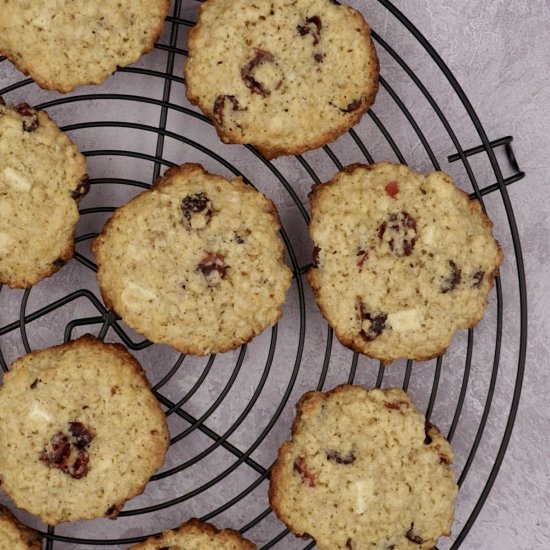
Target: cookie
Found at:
x=68, y=43
x=364, y=470
x=197, y=535
x=42, y=178
x=283, y=76
x=78, y=420
x=16, y=536
x=401, y=260
x=195, y=263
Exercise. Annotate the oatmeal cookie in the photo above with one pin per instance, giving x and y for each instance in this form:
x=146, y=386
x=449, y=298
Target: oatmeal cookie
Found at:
x=401, y=260
x=364, y=470
x=284, y=76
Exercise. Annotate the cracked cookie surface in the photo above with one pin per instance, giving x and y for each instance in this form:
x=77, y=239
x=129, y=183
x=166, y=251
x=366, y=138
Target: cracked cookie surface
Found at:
x=401, y=260
x=62, y=44
x=284, y=76
x=42, y=179
x=364, y=470
x=197, y=535
x=72, y=429
x=195, y=263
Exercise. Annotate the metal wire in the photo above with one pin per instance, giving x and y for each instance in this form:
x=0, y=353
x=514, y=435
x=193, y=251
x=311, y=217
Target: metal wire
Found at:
x=242, y=457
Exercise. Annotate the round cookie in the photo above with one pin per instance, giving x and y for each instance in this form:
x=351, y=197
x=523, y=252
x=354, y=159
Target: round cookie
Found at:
x=364, y=470
x=401, y=260
x=197, y=535
x=195, y=263
x=81, y=431
x=281, y=75
x=16, y=536
x=62, y=44
x=42, y=178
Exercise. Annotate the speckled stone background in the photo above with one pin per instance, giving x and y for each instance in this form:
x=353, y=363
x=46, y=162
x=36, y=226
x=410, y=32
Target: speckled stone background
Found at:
x=499, y=51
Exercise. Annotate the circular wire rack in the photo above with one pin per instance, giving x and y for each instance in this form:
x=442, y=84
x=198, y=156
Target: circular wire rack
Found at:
x=228, y=414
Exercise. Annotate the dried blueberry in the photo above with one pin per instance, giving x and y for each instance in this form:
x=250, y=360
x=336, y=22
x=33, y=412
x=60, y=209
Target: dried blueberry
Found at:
x=59, y=262
x=219, y=106
x=399, y=230
x=349, y=544
x=377, y=322
x=453, y=280
x=262, y=56
x=82, y=187
x=313, y=26
x=340, y=458
x=414, y=537
x=199, y=203
x=35, y=383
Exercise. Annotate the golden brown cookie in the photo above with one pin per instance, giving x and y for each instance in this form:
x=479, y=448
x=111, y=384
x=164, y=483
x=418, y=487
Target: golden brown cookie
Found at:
x=284, y=76
x=42, y=179
x=16, y=536
x=81, y=427
x=195, y=263
x=401, y=260
x=364, y=470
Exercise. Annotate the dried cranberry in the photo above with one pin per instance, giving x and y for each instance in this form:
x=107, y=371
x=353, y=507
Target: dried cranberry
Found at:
x=364, y=256
x=82, y=187
x=195, y=204
x=414, y=537
x=319, y=57
x=312, y=25
x=392, y=188
x=24, y=109
x=113, y=511
x=478, y=278
x=219, y=106
x=316, y=251
x=453, y=280
x=401, y=228
x=261, y=56
x=349, y=544
x=300, y=468
x=353, y=106
x=59, y=453
x=213, y=263
x=82, y=436
x=339, y=458
x=79, y=468
x=377, y=322
x=35, y=383
x=396, y=405
x=428, y=439
x=27, y=111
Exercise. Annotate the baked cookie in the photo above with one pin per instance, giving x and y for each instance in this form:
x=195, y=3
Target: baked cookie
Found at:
x=364, y=470
x=80, y=427
x=284, y=76
x=62, y=44
x=16, y=536
x=401, y=260
x=195, y=263
x=197, y=535
x=42, y=178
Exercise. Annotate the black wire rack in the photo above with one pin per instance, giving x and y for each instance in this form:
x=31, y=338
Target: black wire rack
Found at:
x=229, y=413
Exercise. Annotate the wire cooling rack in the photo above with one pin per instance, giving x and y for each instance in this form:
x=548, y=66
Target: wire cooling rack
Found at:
x=229, y=413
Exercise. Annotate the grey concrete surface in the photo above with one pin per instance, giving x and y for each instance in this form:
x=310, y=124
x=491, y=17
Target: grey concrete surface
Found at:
x=499, y=51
